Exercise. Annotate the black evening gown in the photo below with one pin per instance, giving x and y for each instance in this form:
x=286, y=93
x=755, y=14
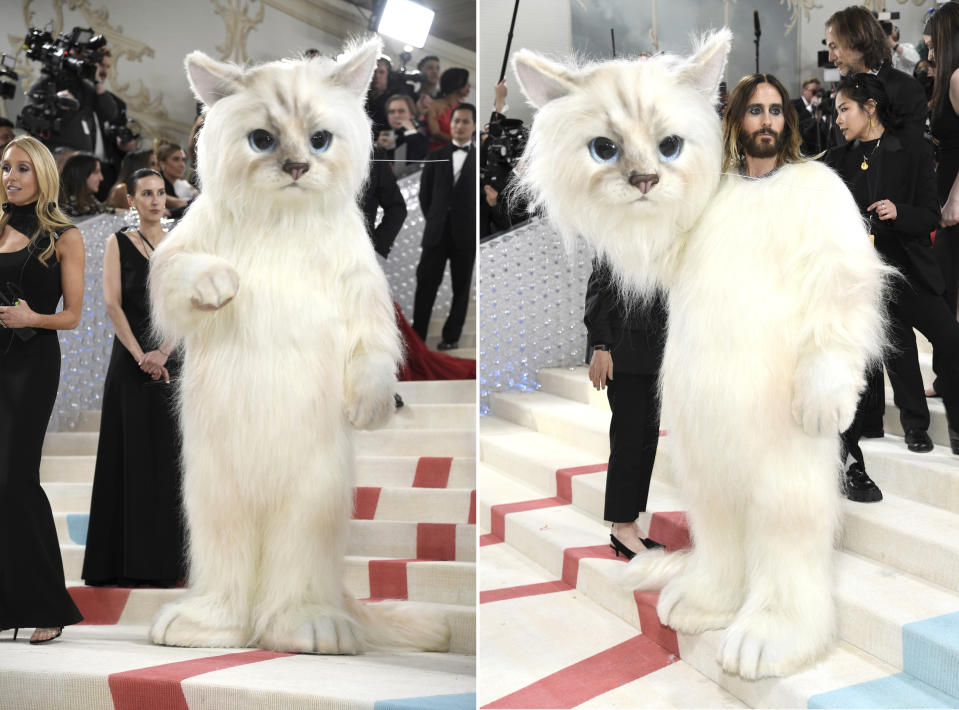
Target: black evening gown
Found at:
x=32, y=589
x=135, y=535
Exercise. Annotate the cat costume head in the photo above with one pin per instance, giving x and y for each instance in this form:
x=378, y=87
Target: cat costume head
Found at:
x=626, y=153
x=285, y=132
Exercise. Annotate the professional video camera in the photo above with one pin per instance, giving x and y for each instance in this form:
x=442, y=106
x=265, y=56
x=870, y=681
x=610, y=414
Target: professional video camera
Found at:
x=503, y=147
x=68, y=63
x=412, y=78
x=8, y=85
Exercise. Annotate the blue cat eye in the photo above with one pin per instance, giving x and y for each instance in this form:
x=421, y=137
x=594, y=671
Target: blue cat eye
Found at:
x=603, y=150
x=262, y=141
x=670, y=147
x=320, y=141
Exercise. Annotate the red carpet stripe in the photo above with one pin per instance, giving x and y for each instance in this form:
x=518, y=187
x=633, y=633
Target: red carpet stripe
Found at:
x=572, y=556
x=670, y=529
x=523, y=590
x=365, y=500
x=594, y=676
x=432, y=472
x=564, y=479
x=388, y=579
x=435, y=541
x=650, y=624
x=489, y=539
x=100, y=605
x=498, y=513
x=471, y=518
x=158, y=687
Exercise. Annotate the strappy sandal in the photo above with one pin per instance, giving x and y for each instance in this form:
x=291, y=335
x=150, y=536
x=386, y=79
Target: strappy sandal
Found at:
x=37, y=642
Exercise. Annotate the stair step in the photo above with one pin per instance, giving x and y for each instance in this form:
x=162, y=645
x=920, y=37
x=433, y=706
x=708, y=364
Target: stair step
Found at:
x=387, y=471
x=423, y=580
x=75, y=674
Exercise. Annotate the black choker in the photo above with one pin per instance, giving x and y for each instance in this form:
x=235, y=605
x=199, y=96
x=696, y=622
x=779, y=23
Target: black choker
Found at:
x=23, y=218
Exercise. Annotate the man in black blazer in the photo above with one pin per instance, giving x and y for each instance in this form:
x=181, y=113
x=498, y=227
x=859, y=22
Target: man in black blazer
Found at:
x=448, y=198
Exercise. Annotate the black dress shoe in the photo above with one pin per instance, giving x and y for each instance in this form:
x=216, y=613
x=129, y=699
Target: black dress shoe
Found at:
x=620, y=547
x=918, y=440
x=397, y=400
x=448, y=345
x=954, y=441
x=859, y=487
x=873, y=434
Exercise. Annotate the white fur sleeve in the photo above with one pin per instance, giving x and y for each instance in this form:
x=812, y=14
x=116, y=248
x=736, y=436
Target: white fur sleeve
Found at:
x=842, y=281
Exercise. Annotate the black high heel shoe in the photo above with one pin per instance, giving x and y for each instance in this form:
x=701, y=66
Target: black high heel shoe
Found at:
x=620, y=547
x=55, y=636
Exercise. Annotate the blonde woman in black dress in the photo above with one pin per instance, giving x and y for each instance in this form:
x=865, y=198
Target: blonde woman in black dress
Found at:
x=135, y=535
x=41, y=259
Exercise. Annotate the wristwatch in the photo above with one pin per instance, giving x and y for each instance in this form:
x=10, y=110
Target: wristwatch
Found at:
x=601, y=346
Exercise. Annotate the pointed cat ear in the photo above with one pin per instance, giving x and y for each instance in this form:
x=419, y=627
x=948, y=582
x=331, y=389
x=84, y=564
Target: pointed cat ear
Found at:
x=705, y=68
x=211, y=80
x=541, y=79
x=354, y=68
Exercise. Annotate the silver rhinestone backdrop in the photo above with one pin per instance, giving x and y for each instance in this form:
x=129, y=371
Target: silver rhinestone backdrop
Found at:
x=532, y=294
x=86, y=349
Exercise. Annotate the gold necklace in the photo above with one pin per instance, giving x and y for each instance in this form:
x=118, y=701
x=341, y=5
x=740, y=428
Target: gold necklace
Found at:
x=865, y=161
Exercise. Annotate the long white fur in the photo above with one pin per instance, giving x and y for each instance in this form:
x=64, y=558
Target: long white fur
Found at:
x=775, y=299
x=289, y=341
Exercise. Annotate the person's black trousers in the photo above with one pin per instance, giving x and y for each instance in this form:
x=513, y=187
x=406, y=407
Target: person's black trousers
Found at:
x=429, y=276
x=633, y=438
x=946, y=249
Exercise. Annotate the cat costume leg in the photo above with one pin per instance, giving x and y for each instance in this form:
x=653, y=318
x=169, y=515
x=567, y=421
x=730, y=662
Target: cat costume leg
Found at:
x=289, y=338
x=771, y=325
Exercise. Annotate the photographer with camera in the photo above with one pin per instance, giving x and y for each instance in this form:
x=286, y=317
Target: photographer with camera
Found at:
x=502, y=144
x=403, y=142
x=904, y=56
x=429, y=68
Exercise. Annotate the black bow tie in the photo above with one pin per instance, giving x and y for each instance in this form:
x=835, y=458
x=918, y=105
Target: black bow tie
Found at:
x=464, y=148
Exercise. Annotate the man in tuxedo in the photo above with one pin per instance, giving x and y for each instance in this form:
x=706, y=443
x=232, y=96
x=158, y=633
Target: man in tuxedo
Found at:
x=448, y=199
x=804, y=104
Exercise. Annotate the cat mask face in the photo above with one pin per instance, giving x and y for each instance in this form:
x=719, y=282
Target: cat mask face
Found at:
x=625, y=152
x=286, y=131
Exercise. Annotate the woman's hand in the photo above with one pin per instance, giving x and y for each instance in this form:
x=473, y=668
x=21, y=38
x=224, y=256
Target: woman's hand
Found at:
x=884, y=208
x=18, y=316
x=153, y=363
x=950, y=213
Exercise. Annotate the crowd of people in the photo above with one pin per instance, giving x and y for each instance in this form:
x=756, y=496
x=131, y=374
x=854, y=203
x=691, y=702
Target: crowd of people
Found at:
x=893, y=136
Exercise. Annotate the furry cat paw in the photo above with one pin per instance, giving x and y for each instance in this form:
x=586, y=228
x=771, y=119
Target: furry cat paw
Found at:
x=324, y=634
x=768, y=644
x=682, y=609
x=214, y=287
x=369, y=407
x=824, y=397
x=180, y=624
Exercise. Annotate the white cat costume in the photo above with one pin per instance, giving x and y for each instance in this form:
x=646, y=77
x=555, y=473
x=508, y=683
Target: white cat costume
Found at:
x=775, y=307
x=271, y=284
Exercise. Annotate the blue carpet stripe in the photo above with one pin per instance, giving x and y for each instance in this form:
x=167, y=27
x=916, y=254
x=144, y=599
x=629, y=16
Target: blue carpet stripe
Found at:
x=460, y=701
x=930, y=651
x=77, y=527
x=894, y=691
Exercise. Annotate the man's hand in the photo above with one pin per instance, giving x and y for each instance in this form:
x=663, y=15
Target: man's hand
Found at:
x=600, y=368
x=491, y=195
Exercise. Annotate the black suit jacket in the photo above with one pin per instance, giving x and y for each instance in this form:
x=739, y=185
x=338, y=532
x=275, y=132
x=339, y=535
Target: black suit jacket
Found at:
x=906, y=96
x=801, y=111
x=108, y=108
x=382, y=191
x=635, y=336
x=441, y=200
x=908, y=180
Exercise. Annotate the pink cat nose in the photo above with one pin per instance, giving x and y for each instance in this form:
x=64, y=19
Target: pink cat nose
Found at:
x=295, y=169
x=644, y=182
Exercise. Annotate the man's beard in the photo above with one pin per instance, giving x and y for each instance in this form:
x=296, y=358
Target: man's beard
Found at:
x=755, y=147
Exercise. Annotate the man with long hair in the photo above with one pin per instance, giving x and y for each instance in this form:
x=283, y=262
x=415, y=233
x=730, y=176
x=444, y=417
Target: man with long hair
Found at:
x=857, y=45
x=760, y=128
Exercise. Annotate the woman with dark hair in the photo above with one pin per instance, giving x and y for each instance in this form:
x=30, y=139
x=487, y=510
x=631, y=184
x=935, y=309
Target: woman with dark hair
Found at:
x=944, y=50
x=41, y=259
x=137, y=160
x=890, y=174
x=454, y=88
x=135, y=535
x=81, y=179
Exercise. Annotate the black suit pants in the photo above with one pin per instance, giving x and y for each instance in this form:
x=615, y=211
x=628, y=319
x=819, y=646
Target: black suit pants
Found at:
x=429, y=276
x=914, y=306
x=633, y=438
x=946, y=249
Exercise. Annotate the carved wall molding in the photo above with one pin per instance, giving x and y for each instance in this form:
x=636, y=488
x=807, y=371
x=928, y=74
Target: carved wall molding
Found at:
x=237, y=18
x=799, y=9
